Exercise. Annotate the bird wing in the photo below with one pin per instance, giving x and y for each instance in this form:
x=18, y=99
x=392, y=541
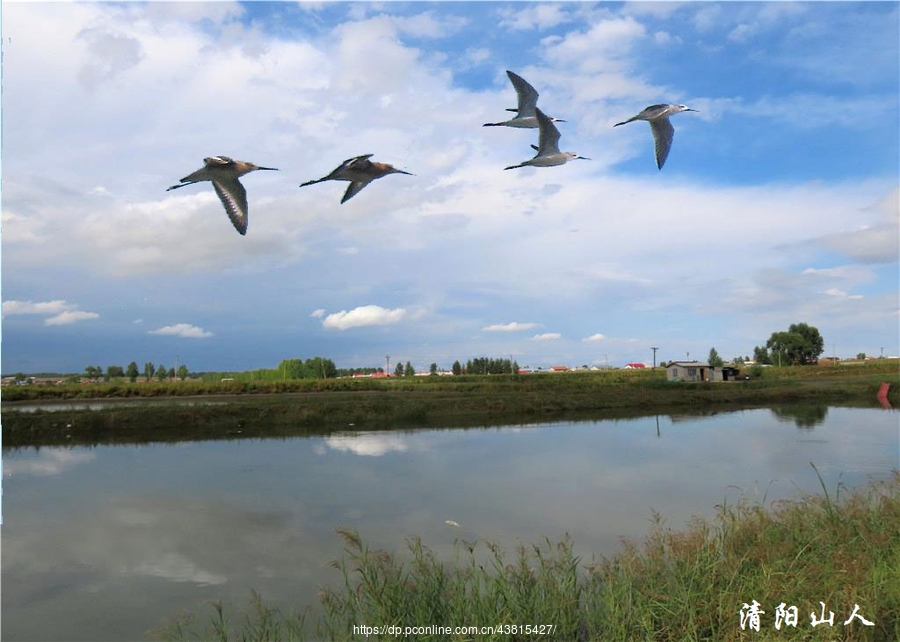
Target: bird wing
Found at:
x=357, y=161
x=527, y=94
x=218, y=161
x=352, y=189
x=663, y=132
x=548, y=141
x=234, y=198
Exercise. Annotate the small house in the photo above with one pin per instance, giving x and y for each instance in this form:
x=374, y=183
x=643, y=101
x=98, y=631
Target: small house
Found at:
x=699, y=371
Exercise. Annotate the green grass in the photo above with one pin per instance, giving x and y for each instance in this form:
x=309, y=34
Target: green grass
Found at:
x=302, y=407
x=678, y=585
x=569, y=382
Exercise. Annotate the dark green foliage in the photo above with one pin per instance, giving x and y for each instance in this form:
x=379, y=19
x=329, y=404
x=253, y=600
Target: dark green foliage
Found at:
x=800, y=345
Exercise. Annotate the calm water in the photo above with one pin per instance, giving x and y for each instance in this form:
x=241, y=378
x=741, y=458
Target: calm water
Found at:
x=107, y=543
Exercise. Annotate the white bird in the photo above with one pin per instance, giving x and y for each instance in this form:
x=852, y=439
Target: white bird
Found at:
x=224, y=172
x=548, y=153
x=663, y=132
x=527, y=98
x=360, y=171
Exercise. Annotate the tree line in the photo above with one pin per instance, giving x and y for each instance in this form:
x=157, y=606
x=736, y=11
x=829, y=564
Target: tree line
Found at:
x=801, y=344
x=151, y=370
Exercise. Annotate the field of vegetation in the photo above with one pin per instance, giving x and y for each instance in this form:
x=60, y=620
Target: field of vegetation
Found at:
x=183, y=410
x=699, y=584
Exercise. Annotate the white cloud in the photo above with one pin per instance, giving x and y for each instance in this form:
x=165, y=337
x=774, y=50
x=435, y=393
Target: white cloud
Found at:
x=513, y=326
x=547, y=336
x=70, y=316
x=841, y=294
x=533, y=16
x=593, y=338
x=63, y=312
x=29, y=307
x=317, y=314
x=183, y=330
x=364, y=315
x=743, y=32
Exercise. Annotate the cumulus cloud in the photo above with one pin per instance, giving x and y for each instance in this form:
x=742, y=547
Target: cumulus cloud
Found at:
x=63, y=312
x=183, y=330
x=547, y=336
x=317, y=314
x=364, y=315
x=70, y=316
x=513, y=326
x=29, y=307
x=533, y=16
x=593, y=338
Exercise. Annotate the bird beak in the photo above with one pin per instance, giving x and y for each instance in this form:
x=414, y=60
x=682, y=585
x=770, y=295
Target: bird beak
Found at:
x=273, y=169
x=583, y=157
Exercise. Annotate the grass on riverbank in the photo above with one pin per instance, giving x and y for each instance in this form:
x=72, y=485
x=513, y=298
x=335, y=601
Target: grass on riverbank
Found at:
x=568, y=381
x=843, y=550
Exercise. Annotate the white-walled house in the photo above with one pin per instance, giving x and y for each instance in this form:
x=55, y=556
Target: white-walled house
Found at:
x=699, y=371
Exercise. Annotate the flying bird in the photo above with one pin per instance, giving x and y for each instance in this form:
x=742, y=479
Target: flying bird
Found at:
x=360, y=171
x=224, y=172
x=525, y=116
x=548, y=153
x=663, y=132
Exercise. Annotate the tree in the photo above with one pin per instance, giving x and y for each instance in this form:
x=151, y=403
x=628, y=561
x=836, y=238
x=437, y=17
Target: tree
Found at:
x=714, y=359
x=170, y=373
x=182, y=372
x=760, y=355
x=800, y=345
x=131, y=372
x=398, y=371
x=861, y=356
x=815, y=344
x=456, y=368
x=161, y=372
x=409, y=371
x=93, y=372
x=432, y=370
x=113, y=372
x=148, y=370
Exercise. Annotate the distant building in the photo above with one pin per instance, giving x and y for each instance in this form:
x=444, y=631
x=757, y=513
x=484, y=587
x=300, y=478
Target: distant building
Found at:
x=699, y=371
x=634, y=366
x=559, y=368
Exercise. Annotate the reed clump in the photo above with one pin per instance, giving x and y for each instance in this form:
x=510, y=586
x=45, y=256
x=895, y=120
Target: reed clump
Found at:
x=690, y=584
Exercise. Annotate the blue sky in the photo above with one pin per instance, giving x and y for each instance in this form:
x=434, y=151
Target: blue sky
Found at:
x=778, y=203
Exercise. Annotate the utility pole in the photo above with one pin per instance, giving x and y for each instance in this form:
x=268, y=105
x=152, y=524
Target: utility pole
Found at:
x=387, y=366
x=654, y=354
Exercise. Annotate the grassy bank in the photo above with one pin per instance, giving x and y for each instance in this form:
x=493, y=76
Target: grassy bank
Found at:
x=841, y=548
x=566, y=382
x=492, y=401
x=294, y=408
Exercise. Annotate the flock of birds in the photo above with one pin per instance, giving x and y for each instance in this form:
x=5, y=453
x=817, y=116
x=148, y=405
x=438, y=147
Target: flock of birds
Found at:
x=224, y=172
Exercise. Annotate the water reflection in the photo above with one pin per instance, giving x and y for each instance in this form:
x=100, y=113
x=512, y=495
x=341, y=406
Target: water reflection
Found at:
x=108, y=542
x=366, y=444
x=803, y=416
